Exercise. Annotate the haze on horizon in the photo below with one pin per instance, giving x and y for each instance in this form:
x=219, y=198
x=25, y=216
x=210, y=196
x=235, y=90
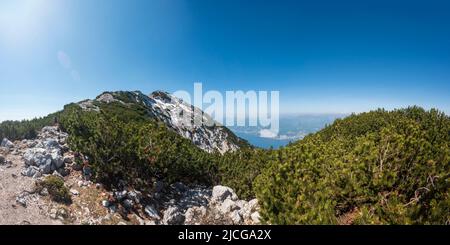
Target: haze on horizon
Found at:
x=324, y=57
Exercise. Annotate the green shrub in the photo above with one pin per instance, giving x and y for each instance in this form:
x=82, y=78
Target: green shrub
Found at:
x=26, y=129
x=239, y=169
x=56, y=189
x=136, y=151
x=391, y=167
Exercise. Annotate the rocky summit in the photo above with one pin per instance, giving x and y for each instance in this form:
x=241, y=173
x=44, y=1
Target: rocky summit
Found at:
x=176, y=115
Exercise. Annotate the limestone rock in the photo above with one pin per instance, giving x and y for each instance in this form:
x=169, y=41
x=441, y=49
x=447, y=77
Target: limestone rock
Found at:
x=173, y=216
x=220, y=193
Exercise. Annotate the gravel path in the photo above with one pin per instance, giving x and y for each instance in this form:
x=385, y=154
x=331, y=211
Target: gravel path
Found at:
x=12, y=184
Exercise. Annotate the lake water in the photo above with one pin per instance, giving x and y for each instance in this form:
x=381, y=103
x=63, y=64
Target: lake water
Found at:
x=292, y=128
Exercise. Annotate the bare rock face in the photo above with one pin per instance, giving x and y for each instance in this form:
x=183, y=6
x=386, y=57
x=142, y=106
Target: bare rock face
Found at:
x=178, y=115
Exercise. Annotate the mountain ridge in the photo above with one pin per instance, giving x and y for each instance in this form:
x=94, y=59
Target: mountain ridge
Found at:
x=175, y=114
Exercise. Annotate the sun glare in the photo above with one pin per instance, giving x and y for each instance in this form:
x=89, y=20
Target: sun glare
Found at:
x=22, y=20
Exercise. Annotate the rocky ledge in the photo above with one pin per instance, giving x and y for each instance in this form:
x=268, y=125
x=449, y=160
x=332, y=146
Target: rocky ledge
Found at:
x=178, y=204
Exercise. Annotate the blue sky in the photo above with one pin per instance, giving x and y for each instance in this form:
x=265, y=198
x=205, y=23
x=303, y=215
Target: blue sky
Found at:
x=323, y=57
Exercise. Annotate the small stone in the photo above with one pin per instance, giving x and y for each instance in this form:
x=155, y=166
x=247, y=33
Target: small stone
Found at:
x=128, y=204
x=193, y=214
x=220, y=193
x=236, y=217
x=82, y=183
x=120, y=195
x=22, y=201
x=62, y=214
x=228, y=206
x=249, y=209
x=134, y=196
x=152, y=212
x=253, y=203
x=105, y=203
x=30, y=171
x=44, y=192
x=241, y=203
x=256, y=218
x=173, y=216
x=74, y=192
x=53, y=213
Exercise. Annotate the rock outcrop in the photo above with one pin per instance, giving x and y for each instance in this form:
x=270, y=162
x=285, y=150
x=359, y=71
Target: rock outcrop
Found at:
x=179, y=204
x=45, y=155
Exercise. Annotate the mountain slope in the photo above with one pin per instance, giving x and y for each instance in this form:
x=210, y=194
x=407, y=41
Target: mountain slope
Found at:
x=380, y=167
x=175, y=114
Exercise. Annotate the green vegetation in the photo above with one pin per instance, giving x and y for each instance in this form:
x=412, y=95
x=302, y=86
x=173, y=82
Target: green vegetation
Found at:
x=26, y=129
x=239, y=169
x=136, y=151
x=56, y=189
x=380, y=167
x=124, y=143
x=374, y=168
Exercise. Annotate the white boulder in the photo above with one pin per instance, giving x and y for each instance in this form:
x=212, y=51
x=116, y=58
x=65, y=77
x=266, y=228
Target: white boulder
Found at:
x=221, y=193
x=31, y=171
x=236, y=217
x=227, y=206
x=7, y=144
x=173, y=216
